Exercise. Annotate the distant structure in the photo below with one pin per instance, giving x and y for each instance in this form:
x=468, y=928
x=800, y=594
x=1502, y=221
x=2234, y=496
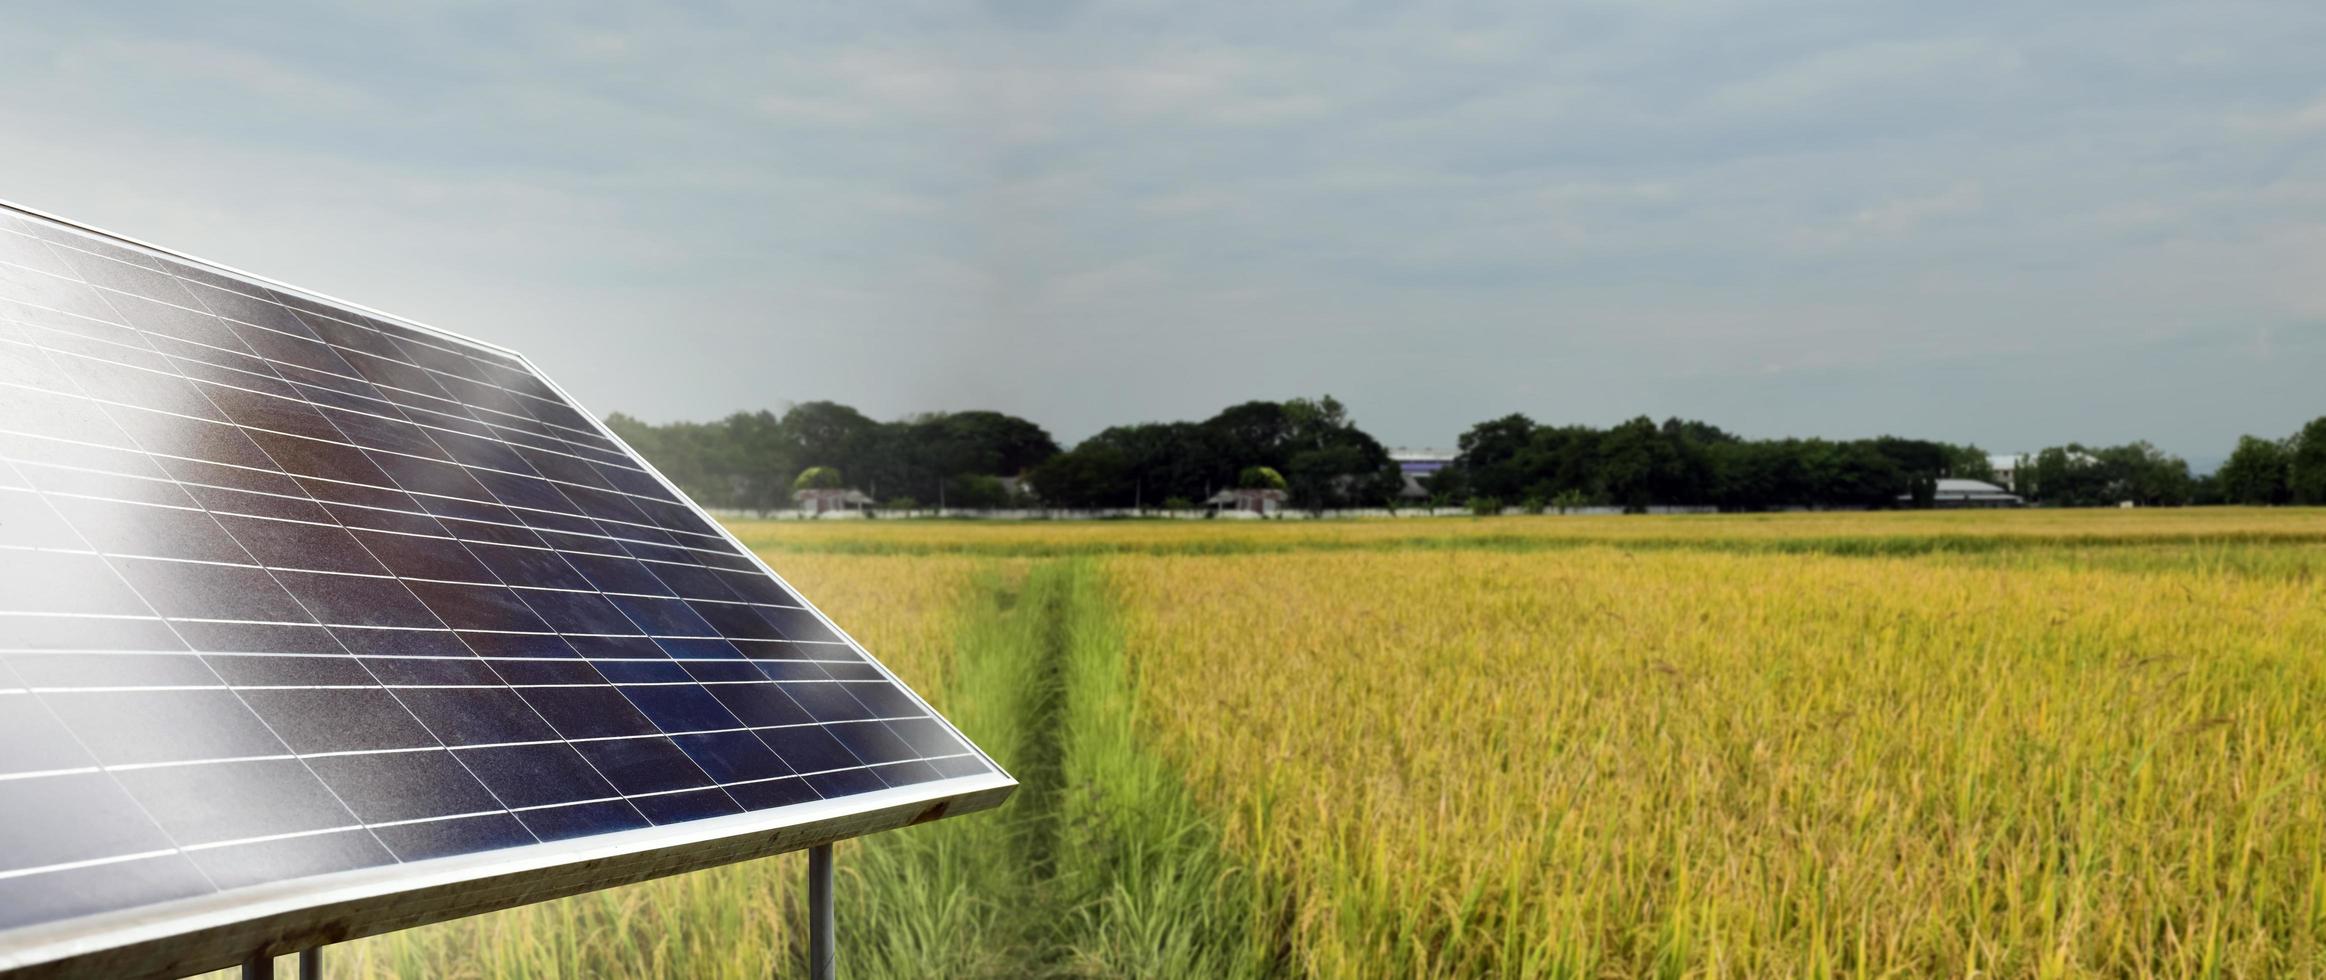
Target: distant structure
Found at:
x=832, y=500
x=1261, y=501
x=1417, y=465
x=2006, y=468
x=1962, y=494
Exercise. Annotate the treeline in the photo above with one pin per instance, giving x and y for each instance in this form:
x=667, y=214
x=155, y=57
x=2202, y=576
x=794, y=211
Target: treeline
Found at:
x=1638, y=464
x=752, y=460
x=2076, y=475
x=2276, y=471
x=1321, y=459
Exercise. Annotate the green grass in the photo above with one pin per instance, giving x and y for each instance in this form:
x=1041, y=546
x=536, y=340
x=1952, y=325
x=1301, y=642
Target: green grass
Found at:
x=1101, y=866
x=1152, y=892
x=1138, y=847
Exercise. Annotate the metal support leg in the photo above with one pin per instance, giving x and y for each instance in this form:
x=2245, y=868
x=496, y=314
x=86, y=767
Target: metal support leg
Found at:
x=311, y=963
x=821, y=965
x=260, y=966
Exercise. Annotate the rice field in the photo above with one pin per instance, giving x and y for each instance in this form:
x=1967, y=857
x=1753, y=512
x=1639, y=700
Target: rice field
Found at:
x=2036, y=744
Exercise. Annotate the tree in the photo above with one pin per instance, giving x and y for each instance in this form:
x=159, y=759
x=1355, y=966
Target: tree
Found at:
x=2306, y=468
x=1639, y=465
x=2255, y=473
x=1259, y=478
x=1317, y=479
x=1970, y=463
x=2141, y=474
x=1447, y=486
x=1162, y=460
x=1258, y=486
x=755, y=457
x=976, y=492
x=1089, y=476
x=822, y=486
x=1850, y=474
x=1489, y=459
x=1254, y=433
x=1327, y=460
x=834, y=435
x=2060, y=476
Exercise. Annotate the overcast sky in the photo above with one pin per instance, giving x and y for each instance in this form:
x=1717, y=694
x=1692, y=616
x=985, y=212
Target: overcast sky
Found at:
x=2015, y=223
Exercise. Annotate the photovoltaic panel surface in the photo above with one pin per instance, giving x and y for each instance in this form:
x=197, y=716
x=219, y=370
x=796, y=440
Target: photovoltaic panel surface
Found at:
x=290, y=590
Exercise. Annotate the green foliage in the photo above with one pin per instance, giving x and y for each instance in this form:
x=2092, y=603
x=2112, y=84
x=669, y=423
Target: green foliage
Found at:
x=1969, y=463
x=1090, y=476
x=1640, y=463
x=1176, y=504
x=1485, y=506
x=818, y=478
x=749, y=461
x=901, y=504
x=2256, y=473
x=744, y=461
x=976, y=492
x=1259, y=478
x=2075, y=475
x=2306, y=469
x=1325, y=460
x=1102, y=865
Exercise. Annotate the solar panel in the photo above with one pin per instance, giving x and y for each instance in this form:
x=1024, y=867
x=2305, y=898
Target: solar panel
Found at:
x=317, y=622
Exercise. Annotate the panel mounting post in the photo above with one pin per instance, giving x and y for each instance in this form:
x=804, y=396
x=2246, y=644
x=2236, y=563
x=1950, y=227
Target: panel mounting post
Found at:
x=260, y=966
x=311, y=963
x=821, y=965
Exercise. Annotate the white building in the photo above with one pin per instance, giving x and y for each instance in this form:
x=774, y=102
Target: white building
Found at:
x=1416, y=465
x=2007, y=468
x=1955, y=494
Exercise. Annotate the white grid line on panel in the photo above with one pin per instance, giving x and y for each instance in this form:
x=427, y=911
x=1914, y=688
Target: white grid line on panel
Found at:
x=445, y=818
x=474, y=746
x=300, y=314
x=568, y=450
x=229, y=422
x=172, y=481
x=343, y=573
x=476, y=414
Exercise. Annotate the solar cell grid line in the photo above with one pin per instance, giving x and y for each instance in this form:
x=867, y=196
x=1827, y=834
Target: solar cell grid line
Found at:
x=397, y=845
x=377, y=449
x=617, y=541
x=330, y=616
x=399, y=345
x=414, y=594
x=391, y=687
x=554, y=480
x=643, y=543
x=630, y=488
x=174, y=835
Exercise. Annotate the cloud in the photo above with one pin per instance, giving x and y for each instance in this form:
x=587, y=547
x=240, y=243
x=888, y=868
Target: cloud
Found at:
x=2299, y=120
x=1901, y=216
x=1099, y=211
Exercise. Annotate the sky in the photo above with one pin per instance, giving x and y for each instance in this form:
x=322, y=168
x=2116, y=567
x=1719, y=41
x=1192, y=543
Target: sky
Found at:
x=2013, y=224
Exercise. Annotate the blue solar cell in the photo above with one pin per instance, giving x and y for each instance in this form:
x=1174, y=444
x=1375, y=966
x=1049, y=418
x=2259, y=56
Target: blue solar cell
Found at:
x=582, y=820
x=289, y=590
